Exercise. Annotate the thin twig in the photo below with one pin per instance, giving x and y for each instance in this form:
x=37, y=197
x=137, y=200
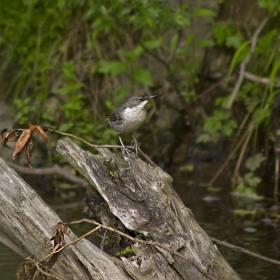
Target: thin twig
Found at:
x=53, y=274
x=241, y=154
x=146, y=157
x=76, y=240
x=84, y=141
x=228, y=159
x=101, y=146
x=210, y=89
x=245, y=62
x=258, y=79
x=155, y=244
x=242, y=250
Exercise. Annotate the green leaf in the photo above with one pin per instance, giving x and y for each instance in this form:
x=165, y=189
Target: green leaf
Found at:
x=70, y=88
x=112, y=67
x=204, y=138
x=182, y=20
x=65, y=127
x=236, y=57
x=254, y=162
x=233, y=41
x=205, y=13
x=134, y=54
x=229, y=127
x=273, y=73
x=206, y=43
x=152, y=44
x=173, y=42
x=251, y=179
x=222, y=31
x=142, y=76
x=208, y=137
x=68, y=70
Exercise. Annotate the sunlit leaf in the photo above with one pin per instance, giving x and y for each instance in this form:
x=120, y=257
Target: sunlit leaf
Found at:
x=143, y=76
x=236, y=57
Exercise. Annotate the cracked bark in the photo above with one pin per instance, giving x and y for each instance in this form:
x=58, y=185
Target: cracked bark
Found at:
x=142, y=198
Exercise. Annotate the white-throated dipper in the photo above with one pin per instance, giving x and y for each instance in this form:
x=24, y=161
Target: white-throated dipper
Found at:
x=129, y=116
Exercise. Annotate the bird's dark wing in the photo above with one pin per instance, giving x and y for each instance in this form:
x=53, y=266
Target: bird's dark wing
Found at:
x=114, y=116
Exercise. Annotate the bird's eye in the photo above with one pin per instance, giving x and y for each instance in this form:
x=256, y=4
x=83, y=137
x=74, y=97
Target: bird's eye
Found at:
x=141, y=99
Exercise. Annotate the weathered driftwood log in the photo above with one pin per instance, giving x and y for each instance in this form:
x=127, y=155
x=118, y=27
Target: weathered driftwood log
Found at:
x=142, y=197
x=26, y=223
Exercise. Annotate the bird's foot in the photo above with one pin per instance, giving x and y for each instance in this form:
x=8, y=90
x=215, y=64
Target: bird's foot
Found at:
x=135, y=145
x=126, y=153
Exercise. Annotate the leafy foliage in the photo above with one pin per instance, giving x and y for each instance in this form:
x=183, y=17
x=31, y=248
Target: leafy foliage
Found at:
x=89, y=55
x=125, y=251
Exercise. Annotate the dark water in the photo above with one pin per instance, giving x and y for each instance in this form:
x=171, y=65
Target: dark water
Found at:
x=214, y=211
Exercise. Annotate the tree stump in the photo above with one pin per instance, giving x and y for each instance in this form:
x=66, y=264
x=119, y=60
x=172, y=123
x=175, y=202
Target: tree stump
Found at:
x=141, y=196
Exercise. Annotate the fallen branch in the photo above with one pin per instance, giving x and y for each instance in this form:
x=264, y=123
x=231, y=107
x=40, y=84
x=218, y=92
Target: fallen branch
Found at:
x=244, y=251
x=137, y=240
x=156, y=244
x=26, y=225
x=55, y=170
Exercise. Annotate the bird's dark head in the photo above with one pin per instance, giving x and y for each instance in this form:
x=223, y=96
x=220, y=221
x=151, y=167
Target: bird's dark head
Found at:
x=138, y=101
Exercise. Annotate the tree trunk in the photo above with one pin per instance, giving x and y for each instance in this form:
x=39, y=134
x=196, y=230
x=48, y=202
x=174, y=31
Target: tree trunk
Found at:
x=26, y=223
x=142, y=198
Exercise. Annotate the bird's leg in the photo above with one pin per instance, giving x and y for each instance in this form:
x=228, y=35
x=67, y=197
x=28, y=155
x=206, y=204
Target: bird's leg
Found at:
x=135, y=145
x=125, y=151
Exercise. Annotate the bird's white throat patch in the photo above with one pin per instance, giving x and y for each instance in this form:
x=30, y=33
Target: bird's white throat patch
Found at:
x=135, y=109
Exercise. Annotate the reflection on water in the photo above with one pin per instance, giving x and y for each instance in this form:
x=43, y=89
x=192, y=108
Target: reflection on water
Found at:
x=213, y=211
x=9, y=261
x=256, y=233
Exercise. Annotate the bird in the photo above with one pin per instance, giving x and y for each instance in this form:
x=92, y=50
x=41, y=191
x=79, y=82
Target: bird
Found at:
x=129, y=116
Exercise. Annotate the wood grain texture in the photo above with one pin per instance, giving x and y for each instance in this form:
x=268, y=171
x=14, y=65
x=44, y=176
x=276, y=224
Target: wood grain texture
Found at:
x=26, y=223
x=142, y=197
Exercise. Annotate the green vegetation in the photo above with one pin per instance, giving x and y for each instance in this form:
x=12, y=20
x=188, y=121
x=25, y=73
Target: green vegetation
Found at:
x=125, y=251
x=66, y=64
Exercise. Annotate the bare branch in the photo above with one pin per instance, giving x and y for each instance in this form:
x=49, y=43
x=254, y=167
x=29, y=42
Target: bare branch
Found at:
x=245, y=62
x=244, y=251
x=258, y=79
x=55, y=170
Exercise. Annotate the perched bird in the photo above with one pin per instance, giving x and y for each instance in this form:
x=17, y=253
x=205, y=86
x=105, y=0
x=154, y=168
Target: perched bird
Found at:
x=129, y=116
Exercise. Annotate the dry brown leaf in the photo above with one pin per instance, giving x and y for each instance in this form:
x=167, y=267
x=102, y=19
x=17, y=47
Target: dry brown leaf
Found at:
x=58, y=238
x=23, y=139
x=42, y=130
x=28, y=151
x=8, y=135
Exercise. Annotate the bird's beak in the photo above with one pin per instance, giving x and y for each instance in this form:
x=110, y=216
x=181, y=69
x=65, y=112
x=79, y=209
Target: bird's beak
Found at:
x=151, y=97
